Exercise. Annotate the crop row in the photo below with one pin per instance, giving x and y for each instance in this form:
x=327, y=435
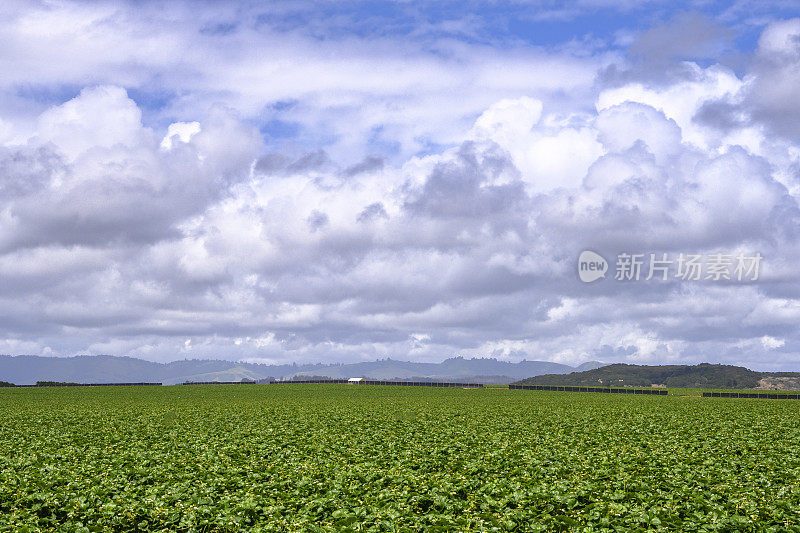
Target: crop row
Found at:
x=759, y=395
x=609, y=390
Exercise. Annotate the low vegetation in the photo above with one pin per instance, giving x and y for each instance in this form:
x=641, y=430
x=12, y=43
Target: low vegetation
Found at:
x=345, y=458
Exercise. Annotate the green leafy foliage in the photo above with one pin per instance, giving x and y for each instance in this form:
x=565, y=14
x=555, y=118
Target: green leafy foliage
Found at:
x=344, y=458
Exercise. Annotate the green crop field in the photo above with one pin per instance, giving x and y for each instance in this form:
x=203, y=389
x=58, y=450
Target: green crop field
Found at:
x=378, y=458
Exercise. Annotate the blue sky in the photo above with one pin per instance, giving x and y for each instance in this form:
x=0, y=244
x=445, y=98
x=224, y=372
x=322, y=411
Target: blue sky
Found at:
x=440, y=29
x=297, y=181
x=443, y=31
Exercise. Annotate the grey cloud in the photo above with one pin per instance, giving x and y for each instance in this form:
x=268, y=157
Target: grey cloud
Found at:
x=119, y=194
x=28, y=170
x=271, y=163
x=613, y=354
x=369, y=164
x=317, y=220
x=722, y=115
x=286, y=164
x=660, y=54
x=688, y=35
x=372, y=212
x=769, y=100
x=772, y=99
x=676, y=206
x=311, y=161
x=463, y=188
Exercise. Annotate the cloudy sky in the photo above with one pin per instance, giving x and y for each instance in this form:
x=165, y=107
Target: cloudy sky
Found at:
x=338, y=181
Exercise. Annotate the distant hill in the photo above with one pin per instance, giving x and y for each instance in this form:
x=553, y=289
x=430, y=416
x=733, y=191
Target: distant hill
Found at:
x=704, y=375
x=589, y=365
x=486, y=380
x=28, y=369
x=453, y=369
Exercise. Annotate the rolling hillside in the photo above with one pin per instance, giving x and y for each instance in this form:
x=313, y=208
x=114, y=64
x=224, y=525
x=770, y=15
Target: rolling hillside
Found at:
x=704, y=375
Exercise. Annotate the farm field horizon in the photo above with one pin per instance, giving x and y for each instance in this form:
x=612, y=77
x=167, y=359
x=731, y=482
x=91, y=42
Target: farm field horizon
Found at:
x=382, y=458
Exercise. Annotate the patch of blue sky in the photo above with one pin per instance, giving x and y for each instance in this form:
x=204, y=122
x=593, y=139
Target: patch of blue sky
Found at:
x=541, y=23
x=48, y=94
x=150, y=99
x=379, y=143
x=276, y=130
